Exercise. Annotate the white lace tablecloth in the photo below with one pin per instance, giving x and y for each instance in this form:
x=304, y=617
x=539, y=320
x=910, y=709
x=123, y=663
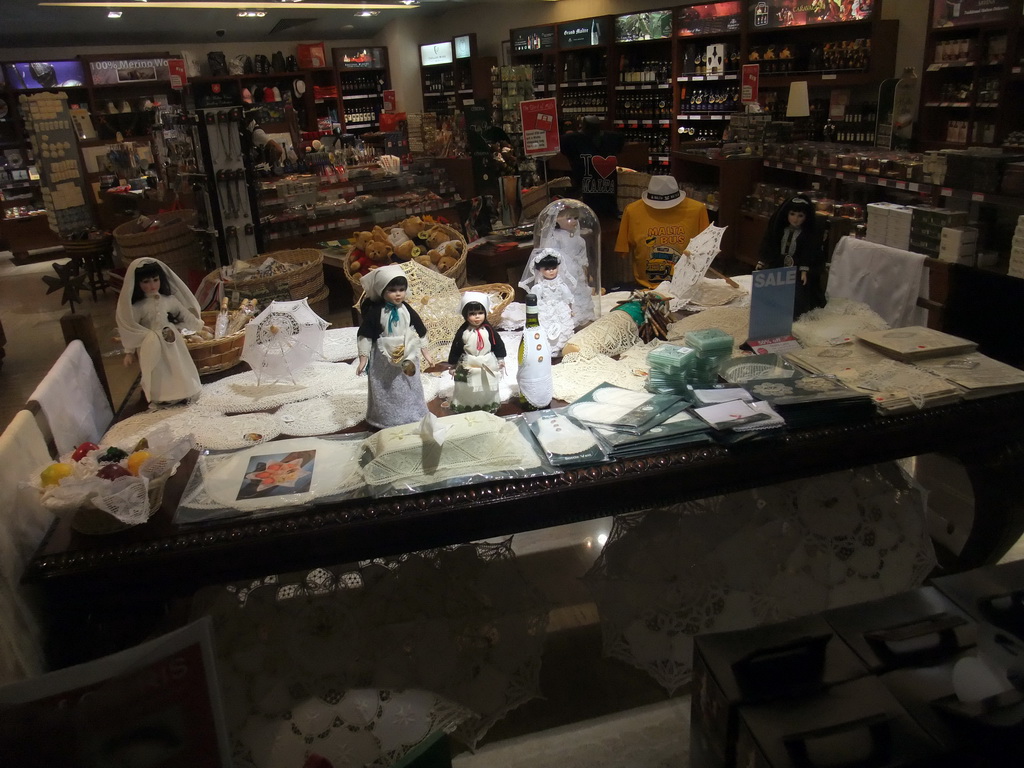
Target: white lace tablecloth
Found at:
x=755, y=557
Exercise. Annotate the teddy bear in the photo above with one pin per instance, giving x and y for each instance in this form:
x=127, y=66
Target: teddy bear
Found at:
x=406, y=251
x=434, y=236
x=378, y=253
x=445, y=263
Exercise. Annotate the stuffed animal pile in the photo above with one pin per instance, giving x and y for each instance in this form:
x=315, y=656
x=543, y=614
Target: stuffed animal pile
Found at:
x=412, y=239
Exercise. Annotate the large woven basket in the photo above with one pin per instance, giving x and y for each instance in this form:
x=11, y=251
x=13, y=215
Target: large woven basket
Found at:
x=217, y=355
x=304, y=282
x=456, y=272
x=631, y=186
x=173, y=242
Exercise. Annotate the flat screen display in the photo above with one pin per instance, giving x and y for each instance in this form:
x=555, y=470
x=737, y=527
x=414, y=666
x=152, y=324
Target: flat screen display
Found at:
x=44, y=74
x=583, y=33
x=532, y=39
x=649, y=25
x=710, y=18
x=433, y=54
x=769, y=14
x=463, y=47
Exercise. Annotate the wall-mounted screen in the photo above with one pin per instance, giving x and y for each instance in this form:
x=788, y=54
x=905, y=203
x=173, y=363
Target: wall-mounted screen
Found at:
x=649, y=25
x=117, y=71
x=583, y=33
x=463, y=47
x=533, y=39
x=956, y=13
x=710, y=18
x=45, y=74
x=433, y=54
x=359, y=58
x=769, y=14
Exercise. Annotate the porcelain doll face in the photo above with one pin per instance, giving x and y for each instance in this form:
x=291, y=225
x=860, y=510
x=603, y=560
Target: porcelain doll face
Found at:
x=567, y=220
x=395, y=294
x=797, y=218
x=549, y=273
x=476, y=319
x=150, y=286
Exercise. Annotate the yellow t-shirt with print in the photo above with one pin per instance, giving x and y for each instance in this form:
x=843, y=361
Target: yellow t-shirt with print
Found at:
x=657, y=237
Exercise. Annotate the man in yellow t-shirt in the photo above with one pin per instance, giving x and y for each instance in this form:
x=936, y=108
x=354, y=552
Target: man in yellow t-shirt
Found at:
x=657, y=228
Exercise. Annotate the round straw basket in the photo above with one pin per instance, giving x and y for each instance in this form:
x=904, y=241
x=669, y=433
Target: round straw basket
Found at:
x=173, y=242
x=305, y=281
x=217, y=355
x=457, y=272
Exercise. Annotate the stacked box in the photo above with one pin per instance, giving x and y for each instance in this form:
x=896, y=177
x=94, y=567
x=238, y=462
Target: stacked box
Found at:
x=958, y=245
x=1017, y=251
x=934, y=167
x=926, y=227
x=889, y=224
x=767, y=665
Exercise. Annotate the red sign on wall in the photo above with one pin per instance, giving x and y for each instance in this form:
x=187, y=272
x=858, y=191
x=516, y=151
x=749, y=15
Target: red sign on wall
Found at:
x=540, y=127
x=177, y=74
x=749, y=79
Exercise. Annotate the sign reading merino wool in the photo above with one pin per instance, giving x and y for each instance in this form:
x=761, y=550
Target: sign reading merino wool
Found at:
x=128, y=71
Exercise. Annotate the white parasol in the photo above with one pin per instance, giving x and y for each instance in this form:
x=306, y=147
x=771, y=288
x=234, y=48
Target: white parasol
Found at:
x=283, y=339
x=697, y=257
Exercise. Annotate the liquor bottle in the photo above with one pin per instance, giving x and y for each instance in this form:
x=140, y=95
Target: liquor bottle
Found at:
x=536, y=387
x=221, y=326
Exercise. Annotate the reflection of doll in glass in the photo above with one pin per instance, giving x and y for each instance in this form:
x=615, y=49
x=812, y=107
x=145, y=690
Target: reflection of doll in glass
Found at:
x=554, y=295
x=152, y=310
x=478, y=355
x=566, y=237
x=794, y=239
x=389, y=341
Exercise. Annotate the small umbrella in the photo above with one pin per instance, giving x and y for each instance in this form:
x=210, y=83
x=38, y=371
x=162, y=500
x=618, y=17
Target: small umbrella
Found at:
x=699, y=254
x=283, y=339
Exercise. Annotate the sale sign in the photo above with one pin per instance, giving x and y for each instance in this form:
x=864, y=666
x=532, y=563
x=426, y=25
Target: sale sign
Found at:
x=540, y=127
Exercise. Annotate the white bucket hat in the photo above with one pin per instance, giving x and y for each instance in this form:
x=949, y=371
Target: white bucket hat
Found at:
x=662, y=192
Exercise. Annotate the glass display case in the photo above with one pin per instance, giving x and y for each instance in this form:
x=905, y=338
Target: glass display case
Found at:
x=571, y=228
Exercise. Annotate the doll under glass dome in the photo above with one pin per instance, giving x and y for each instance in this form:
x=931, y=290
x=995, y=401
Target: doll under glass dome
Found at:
x=572, y=228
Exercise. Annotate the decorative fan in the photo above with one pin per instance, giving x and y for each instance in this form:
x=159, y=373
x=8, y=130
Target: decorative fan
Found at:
x=283, y=339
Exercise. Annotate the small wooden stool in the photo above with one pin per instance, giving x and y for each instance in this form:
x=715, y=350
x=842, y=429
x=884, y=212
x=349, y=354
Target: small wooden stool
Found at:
x=93, y=255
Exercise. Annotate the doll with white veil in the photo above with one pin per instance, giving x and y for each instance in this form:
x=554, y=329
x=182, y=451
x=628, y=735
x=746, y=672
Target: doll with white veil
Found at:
x=554, y=290
x=154, y=307
x=564, y=234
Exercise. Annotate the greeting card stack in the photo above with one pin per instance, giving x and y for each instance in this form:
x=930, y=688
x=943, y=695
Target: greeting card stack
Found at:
x=916, y=343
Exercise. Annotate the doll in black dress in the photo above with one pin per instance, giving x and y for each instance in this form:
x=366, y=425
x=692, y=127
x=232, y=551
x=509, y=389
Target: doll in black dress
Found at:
x=793, y=238
x=478, y=355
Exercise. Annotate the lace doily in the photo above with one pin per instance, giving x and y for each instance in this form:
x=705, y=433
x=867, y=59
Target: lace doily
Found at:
x=324, y=415
x=838, y=319
x=340, y=344
x=217, y=480
x=241, y=394
x=709, y=293
x=134, y=428
x=216, y=432
x=362, y=727
x=476, y=443
x=733, y=320
x=460, y=622
x=755, y=557
x=574, y=378
x=610, y=334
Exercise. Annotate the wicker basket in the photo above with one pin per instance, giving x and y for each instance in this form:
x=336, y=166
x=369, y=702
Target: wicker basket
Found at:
x=456, y=272
x=307, y=281
x=173, y=242
x=217, y=355
x=631, y=186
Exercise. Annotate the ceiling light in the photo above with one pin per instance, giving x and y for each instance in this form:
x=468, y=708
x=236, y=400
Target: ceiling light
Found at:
x=408, y=2
x=113, y=14
x=367, y=13
x=251, y=14
x=231, y=5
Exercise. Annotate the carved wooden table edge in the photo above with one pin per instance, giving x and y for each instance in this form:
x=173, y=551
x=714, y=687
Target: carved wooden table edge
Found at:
x=361, y=529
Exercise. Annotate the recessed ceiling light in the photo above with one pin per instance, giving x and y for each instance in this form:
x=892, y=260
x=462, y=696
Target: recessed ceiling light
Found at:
x=113, y=14
x=367, y=13
x=408, y=2
x=251, y=14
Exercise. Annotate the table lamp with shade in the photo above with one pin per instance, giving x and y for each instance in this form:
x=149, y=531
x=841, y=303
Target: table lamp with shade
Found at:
x=798, y=108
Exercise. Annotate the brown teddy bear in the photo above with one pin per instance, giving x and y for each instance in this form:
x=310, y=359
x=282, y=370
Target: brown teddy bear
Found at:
x=445, y=263
x=407, y=251
x=435, y=236
x=378, y=253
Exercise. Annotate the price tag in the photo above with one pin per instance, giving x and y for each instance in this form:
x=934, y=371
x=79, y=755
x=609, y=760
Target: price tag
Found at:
x=828, y=77
x=977, y=197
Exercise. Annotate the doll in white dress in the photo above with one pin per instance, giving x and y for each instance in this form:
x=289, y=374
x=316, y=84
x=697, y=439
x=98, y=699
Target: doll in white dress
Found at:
x=554, y=293
x=478, y=354
x=566, y=237
x=389, y=341
x=152, y=310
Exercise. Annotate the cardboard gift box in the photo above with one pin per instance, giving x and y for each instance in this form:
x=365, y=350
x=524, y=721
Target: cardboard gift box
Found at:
x=914, y=628
x=994, y=594
x=763, y=664
x=855, y=723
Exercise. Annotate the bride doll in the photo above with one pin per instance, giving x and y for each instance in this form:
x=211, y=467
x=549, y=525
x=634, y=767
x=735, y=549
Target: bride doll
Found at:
x=554, y=295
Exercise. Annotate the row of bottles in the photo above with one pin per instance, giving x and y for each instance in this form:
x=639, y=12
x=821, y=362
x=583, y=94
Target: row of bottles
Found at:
x=586, y=65
x=360, y=114
x=588, y=101
x=703, y=133
x=644, y=106
x=709, y=99
x=438, y=81
x=634, y=70
x=658, y=141
x=360, y=83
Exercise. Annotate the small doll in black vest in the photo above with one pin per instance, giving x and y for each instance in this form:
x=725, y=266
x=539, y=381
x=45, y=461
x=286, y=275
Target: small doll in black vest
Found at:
x=478, y=354
x=794, y=239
